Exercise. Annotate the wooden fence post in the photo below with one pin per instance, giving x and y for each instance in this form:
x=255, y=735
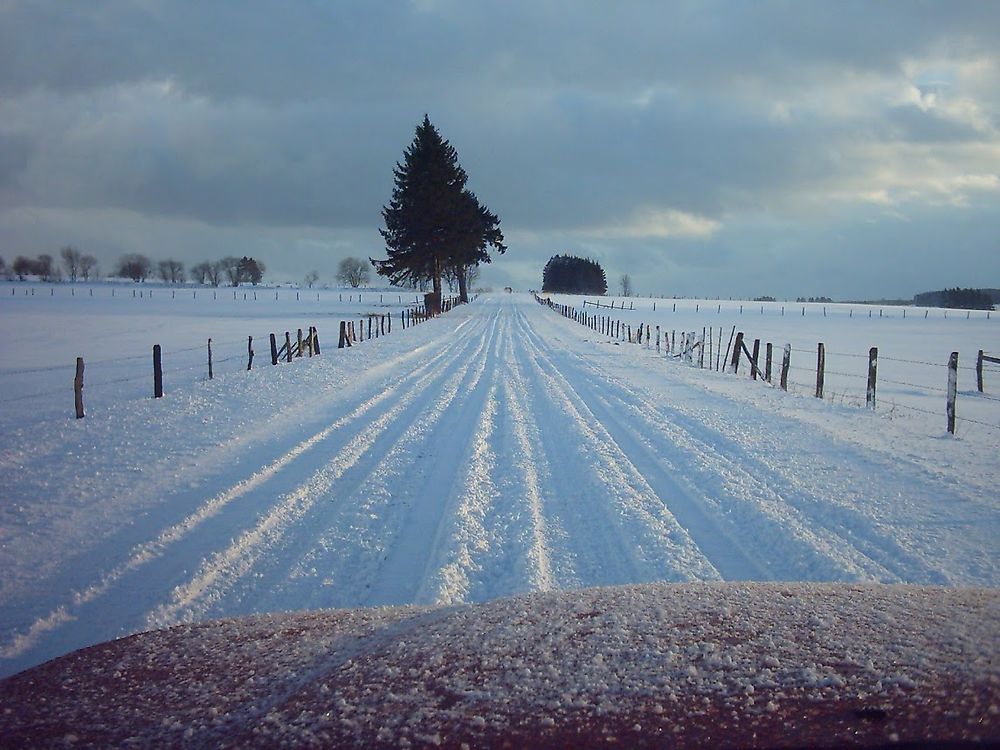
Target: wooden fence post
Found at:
x=872, y=368
x=657, y=338
x=820, y=368
x=316, y=349
x=767, y=362
x=786, y=360
x=210, y=359
x=249, y=353
x=734, y=365
x=298, y=341
x=288, y=346
x=729, y=346
x=755, y=358
x=952, y=390
x=979, y=371
x=344, y=339
x=157, y=372
x=78, y=388
x=274, y=349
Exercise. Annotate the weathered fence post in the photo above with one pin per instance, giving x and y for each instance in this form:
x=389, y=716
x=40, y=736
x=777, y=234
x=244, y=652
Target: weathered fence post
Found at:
x=734, y=365
x=952, y=390
x=786, y=360
x=249, y=352
x=979, y=371
x=157, y=373
x=872, y=369
x=78, y=388
x=820, y=368
x=767, y=362
x=288, y=346
x=729, y=346
x=316, y=350
x=755, y=358
x=210, y=373
x=657, y=338
x=298, y=341
x=274, y=349
x=344, y=340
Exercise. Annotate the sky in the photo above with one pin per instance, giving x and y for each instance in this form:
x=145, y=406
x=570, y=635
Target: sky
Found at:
x=730, y=149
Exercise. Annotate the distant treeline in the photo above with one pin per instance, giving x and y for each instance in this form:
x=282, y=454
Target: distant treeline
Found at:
x=78, y=266
x=961, y=299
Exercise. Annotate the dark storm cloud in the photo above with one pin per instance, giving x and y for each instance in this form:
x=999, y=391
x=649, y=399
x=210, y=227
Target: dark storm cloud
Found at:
x=644, y=133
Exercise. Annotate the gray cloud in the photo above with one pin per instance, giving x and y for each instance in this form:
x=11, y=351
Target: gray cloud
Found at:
x=609, y=129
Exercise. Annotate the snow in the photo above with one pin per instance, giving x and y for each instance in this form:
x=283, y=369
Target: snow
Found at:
x=701, y=663
x=497, y=450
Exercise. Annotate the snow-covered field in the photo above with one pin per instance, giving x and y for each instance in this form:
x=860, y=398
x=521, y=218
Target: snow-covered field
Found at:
x=496, y=450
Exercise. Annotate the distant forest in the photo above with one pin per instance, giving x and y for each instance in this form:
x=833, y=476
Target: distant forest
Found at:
x=572, y=275
x=961, y=299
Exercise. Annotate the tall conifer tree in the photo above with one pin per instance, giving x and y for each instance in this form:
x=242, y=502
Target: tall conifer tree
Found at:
x=420, y=221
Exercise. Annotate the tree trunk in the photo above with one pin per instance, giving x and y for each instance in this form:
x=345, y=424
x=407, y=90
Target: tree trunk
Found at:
x=463, y=286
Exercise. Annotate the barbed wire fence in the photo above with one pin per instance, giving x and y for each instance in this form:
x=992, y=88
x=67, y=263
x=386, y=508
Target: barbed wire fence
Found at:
x=853, y=385
x=185, y=365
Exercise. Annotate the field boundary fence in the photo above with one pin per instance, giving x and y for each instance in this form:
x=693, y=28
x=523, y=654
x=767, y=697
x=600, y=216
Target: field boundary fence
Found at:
x=303, y=343
x=704, y=350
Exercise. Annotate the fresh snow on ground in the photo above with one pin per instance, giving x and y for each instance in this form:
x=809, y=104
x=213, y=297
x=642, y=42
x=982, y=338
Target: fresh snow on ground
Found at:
x=696, y=665
x=496, y=450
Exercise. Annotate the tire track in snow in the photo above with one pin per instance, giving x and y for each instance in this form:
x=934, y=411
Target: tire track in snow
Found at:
x=340, y=563
x=418, y=548
x=147, y=552
x=767, y=515
x=221, y=571
x=879, y=552
x=648, y=544
x=496, y=543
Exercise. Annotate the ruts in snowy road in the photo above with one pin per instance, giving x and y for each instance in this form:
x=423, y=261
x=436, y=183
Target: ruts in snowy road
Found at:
x=495, y=450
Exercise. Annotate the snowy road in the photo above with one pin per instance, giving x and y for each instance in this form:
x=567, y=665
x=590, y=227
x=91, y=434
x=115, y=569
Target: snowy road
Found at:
x=499, y=449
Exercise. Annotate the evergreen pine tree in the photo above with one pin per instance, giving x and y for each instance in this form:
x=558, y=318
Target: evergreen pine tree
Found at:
x=420, y=221
x=571, y=275
x=476, y=229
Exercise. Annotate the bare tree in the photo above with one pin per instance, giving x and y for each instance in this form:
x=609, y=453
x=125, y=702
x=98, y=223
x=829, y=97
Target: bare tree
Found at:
x=134, y=266
x=171, y=271
x=200, y=272
x=353, y=271
x=46, y=268
x=3, y=267
x=471, y=275
x=215, y=271
x=626, y=285
x=23, y=267
x=311, y=278
x=88, y=267
x=232, y=269
x=71, y=258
